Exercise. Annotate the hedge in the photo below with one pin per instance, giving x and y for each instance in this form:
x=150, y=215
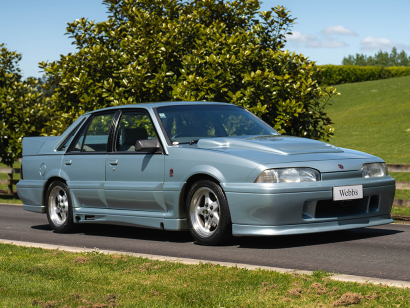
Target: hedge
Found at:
x=338, y=74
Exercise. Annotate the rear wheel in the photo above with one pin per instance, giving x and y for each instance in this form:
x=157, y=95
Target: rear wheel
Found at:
x=208, y=213
x=59, y=207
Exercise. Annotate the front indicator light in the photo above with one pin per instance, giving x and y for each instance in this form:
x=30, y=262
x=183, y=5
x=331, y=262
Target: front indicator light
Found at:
x=374, y=170
x=288, y=175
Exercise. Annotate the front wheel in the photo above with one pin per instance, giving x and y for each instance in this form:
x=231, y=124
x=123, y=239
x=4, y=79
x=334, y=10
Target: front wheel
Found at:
x=208, y=213
x=59, y=207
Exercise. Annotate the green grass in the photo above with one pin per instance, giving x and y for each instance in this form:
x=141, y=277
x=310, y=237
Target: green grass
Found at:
x=15, y=165
x=402, y=194
x=374, y=117
x=400, y=176
x=32, y=277
x=3, y=176
x=10, y=199
x=404, y=211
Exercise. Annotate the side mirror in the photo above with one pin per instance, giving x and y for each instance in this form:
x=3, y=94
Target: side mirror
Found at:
x=151, y=145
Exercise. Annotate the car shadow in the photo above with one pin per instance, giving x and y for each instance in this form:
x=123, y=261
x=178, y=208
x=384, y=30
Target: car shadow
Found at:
x=45, y=227
x=125, y=232
x=290, y=241
x=253, y=242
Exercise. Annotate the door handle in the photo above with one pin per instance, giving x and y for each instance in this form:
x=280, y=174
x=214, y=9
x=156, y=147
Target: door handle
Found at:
x=113, y=161
x=67, y=162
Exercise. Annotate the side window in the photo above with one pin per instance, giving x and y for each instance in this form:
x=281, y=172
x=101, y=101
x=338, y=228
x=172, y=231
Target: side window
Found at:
x=133, y=126
x=94, y=136
x=68, y=140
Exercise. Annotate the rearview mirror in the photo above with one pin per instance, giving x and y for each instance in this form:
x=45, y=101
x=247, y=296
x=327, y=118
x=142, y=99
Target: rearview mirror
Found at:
x=152, y=145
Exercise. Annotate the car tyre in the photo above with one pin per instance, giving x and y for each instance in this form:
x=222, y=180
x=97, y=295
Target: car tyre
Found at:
x=59, y=207
x=208, y=214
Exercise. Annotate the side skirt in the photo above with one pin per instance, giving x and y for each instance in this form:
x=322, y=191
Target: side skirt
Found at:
x=129, y=218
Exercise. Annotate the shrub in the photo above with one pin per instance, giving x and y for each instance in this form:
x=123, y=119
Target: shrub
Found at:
x=21, y=111
x=338, y=74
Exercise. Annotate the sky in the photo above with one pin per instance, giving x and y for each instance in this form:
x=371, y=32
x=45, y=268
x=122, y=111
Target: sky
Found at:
x=325, y=31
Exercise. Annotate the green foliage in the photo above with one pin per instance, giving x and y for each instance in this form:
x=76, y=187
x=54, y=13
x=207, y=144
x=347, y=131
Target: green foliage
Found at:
x=339, y=74
x=203, y=50
x=21, y=111
x=383, y=59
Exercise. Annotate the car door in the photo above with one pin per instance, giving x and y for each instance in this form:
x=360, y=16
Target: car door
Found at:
x=84, y=163
x=134, y=180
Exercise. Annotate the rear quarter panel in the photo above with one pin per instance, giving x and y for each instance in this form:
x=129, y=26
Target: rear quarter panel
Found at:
x=36, y=171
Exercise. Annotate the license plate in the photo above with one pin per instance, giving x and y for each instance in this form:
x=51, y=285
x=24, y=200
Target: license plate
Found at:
x=347, y=192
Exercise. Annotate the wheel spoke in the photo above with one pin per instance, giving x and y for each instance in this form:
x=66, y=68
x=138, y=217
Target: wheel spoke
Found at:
x=215, y=219
x=63, y=215
x=215, y=206
x=198, y=211
x=208, y=224
x=208, y=200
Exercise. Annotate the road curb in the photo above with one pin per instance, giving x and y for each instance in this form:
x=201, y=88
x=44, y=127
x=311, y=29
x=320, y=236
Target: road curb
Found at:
x=336, y=277
x=11, y=204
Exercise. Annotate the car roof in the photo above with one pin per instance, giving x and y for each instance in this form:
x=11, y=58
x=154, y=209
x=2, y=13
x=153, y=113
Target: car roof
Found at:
x=161, y=104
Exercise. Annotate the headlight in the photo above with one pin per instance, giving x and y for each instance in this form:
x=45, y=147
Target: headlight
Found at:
x=374, y=170
x=288, y=175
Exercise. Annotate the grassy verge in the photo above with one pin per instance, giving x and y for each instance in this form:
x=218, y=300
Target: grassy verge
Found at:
x=400, y=176
x=402, y=194
x=9, y=199
x=3, y=176
x=42, y=278
x=403, y=211
x=373, y=117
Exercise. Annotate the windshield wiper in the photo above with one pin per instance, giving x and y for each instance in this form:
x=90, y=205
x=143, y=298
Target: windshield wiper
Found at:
x=193, y=141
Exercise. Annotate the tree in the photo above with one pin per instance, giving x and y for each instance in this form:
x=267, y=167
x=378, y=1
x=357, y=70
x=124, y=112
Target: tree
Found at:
x=383, y=59
x=21, y=111
x=211, y=50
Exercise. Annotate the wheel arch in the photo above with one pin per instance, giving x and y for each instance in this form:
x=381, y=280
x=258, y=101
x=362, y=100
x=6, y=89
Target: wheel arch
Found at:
x=187, y=186
x=47, y=185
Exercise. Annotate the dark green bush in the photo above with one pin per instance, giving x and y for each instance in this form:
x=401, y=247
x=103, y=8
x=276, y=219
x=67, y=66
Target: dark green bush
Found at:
x=338, y=74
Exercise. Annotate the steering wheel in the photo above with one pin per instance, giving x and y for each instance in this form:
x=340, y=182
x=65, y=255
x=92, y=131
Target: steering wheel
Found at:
x=181, y=135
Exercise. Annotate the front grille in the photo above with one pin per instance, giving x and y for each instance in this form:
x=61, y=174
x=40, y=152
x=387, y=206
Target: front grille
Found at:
x=330, y=208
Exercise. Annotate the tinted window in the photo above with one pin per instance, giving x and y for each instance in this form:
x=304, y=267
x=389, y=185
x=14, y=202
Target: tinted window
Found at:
x=94, y=136
x=133, y=126
x=187, y=123
x=67, y=142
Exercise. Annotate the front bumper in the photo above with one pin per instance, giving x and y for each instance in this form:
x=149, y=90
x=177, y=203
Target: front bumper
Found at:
x=279, y=209
x=255, y=230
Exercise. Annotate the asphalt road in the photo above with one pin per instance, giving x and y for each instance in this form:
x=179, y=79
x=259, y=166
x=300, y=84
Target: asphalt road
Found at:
x=378, y=252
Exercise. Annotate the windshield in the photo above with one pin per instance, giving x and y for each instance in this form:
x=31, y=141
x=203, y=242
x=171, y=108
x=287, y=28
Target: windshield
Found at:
x=189, y=123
